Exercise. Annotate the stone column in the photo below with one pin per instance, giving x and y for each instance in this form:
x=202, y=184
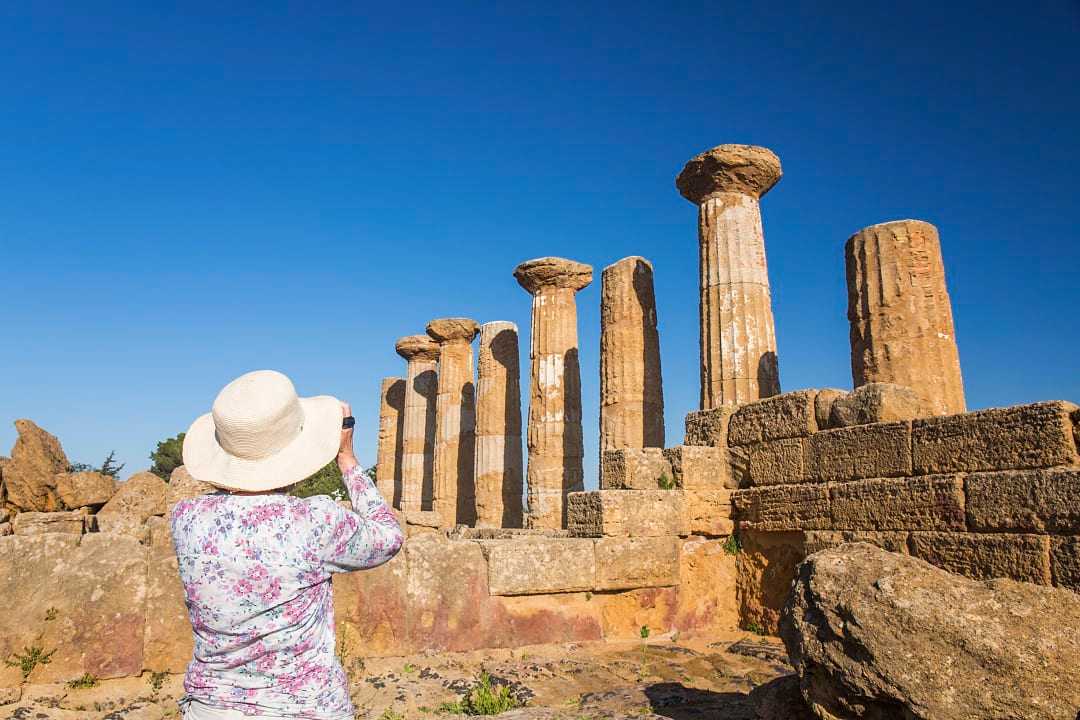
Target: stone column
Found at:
x=555, y=440
x=391, y=420
x=901, y=317
x=455, y=422
x=498, y=428
x=738, y=337
x=418, y=430
x=631, y=391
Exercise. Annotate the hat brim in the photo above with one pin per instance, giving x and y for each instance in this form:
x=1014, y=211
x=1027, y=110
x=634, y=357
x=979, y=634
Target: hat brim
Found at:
x=315, y=446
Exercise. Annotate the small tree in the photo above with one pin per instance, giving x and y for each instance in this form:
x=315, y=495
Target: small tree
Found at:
x=168, y=456
x=110, y=467
x=327, y=481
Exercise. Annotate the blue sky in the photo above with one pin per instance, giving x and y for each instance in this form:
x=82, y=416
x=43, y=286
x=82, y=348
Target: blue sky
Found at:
x=191, y=192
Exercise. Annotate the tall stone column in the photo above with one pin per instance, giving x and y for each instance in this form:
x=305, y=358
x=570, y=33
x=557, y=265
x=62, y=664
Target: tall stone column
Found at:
x=900, y=313
x=555, y=438
x=738, y=336
x=498, y=427
x=389, y=449
x=418, y=429
x=455, y=422
x=631, y=390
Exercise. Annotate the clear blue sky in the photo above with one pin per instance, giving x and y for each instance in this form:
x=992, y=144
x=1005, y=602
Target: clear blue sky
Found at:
x=191, y=191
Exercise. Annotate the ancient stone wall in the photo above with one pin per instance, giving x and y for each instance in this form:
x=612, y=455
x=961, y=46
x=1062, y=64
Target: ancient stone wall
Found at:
x=985, y=494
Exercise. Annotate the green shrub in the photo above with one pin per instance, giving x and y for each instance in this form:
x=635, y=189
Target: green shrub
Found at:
x=30, y=659
x=484, y=698
x=109, y=466
x=86, y=681
x=665, y=483
x=167, y=456
x=732, y=546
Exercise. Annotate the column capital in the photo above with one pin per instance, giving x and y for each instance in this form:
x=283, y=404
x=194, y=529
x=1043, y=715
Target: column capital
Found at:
x=418, y=347
x=453, y=329
x=744, y=169
x=553, y=272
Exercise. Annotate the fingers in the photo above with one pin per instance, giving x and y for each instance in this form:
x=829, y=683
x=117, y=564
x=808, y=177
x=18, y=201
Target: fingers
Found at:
x=346, y=409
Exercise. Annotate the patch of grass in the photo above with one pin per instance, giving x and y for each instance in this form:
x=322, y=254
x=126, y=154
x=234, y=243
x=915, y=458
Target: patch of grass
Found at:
x=51, y=614
x=485, y=698
x=30, y=659
x=156, y=680
x=86, y=681
x=409, y=668
x=732, y=546
x=389, y=714
x=755, y=628
x=665, y=483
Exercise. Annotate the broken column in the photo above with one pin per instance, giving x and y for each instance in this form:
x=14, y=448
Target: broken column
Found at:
x=455, y=422
x=498, y=428
x=738, y=337
x=555, y=439
x=418, y=428
x=631, y=393
x=900, y=313
x=388, y=458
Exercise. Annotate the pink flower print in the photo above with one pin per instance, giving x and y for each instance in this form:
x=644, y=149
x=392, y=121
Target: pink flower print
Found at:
x=272, y=592
x=243, y=586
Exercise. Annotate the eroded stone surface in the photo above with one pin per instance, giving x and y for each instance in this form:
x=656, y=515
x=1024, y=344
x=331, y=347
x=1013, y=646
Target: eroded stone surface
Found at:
x=864, y=451
x=709, y=427
x=919, y=503
x=875, y=402
x=699, y=467
x=746, y=169
x=84, y=489
x=30, y=474
x=39, y=523
x=636, y=562
x=627, y=513
x=634, y=469
x=779, y=508
x=1036, y=501
x=499, y=464
x=537, y=565
x=1025, y=558
x=139, y=497
x=784, y=416
x=777, y=462
x=182, y=486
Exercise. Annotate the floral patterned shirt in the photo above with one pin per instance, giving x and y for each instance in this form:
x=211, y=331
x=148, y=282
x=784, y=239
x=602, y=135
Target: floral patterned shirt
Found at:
x=256, y=571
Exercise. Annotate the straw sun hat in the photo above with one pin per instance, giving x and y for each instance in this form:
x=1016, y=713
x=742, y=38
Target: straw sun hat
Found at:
x=261, y=436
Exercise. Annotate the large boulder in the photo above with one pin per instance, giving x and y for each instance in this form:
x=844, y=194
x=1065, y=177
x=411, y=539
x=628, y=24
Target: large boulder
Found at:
x=878, y=635
x=39, y=523
x=84, y=489
x=30, y=475
x=182, y=486
x=137, y=499
x=876, y=403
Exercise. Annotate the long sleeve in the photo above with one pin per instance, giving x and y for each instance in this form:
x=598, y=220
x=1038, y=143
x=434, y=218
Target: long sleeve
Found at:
x=365, y=537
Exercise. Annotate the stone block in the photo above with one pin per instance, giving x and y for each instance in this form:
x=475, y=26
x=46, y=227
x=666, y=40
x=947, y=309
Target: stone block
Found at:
x=633, y=469
x=626, y=563
x=370, y=609
x=876, y=403
x=626, y=513
x=697, y=466
x=709, y=427
x=777, y=462
x=779, y=508
x=706, y=598
x=935, y=502
x=1014, y=438
x=624, y=613
x=823, y=403
x=139, y=497
x=6, y=529
x=1034, y=501
x=539, y=565
x=447, y=602
x=167, y=645
x=709, y=512
x=182, y=486
x=39, y=523
x=1065, y=562
x=1025, y=558
x=765, y=568
x=774, y=418
x=856, y=453
x=891, y=540
x=84, y=489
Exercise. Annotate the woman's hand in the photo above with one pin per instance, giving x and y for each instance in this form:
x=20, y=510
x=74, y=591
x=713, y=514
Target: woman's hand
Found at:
x=346, y=458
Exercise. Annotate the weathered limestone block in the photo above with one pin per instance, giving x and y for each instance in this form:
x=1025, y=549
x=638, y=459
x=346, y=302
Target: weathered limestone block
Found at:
x=447, y=600
x=636, y=562
x=391, y=436
x=709, y=511
x=6, y=529
x=1013, y=438
x=777, y=462
x=707, y=575
x=39, y=523
x=84, y=489
x=935, y=502
x=891, y=540
x=1025, y=558
x=538, y=565
x=876, y=403
x=454, y=496
x=626, y=513
x=182, y=486
x=5, y=515
x=499, y=465
x=1034, y=501
x=167, y=644
x=418, y=428
x=863, y=451
x=783, y=416
x=823, y=403
x=780, y=508
x=1065, y=562
x=139, y=497
x=555, y=434
x=624, y=613
x=30, y=474
x=97, y=586
x=900, y=314
x=709, y=427
x=700, y=467
x=631, y=389
x=634, y=469
x=738, y=337
x=370, y=609
x=765, y=568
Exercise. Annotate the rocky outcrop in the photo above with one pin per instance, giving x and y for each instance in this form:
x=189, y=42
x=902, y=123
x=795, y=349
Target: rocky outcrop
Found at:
x=182, y=486
x=84, y=489
x=40, y=523
x=30, y=475
x=138, y=498
x=878, y=635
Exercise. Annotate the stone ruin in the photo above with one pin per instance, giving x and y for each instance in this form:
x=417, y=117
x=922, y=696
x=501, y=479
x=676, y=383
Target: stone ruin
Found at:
x=694, y=538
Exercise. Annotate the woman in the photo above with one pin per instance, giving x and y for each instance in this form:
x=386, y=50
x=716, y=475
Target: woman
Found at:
x=256, y=563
